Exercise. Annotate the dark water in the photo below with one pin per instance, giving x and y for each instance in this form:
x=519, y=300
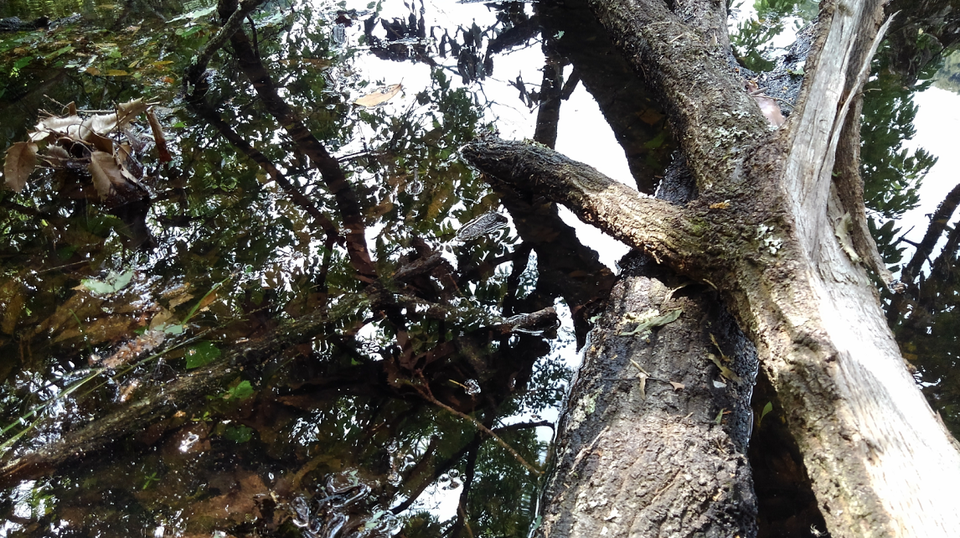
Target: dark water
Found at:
x=252, y=339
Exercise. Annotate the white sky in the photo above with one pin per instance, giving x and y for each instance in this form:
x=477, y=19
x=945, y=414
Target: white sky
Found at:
x=937, y=124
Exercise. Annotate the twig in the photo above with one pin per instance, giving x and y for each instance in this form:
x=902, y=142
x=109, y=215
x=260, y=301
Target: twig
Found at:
x=425, y=392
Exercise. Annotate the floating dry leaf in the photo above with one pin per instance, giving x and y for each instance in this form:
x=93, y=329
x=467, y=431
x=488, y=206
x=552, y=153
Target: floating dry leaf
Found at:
x=101, y=143
x=74, y=141
x=373, y=99
x=56, y=157
x=21, y=160
x=126, y=112
x=158, y=137
x=54, y=125
x=105, y=172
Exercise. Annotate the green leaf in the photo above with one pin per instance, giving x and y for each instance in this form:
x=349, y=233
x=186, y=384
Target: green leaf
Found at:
x=238, y=434
x=187, y=32
x=173, y=329
x=201, y=354
x=111, y=284
x=58, y=52
x=766, y=409
x=242, y=391
x=195, y=14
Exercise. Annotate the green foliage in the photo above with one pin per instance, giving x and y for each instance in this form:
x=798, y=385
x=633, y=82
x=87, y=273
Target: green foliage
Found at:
x=924, y=318
x=240, y=391
x=112, y=283
x=238, y=434
x=201, y=354
x=504, y=500
x=948, y=76
x=753, y=39
x=891, y=173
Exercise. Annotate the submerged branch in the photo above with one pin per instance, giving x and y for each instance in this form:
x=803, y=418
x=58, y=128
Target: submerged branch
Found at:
x=160, y=404
x=230, y=27
x=348, y=204
x=424, y=392
x=199, y=105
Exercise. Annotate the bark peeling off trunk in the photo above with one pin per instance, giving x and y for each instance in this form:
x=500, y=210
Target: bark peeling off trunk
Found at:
x=689, y=479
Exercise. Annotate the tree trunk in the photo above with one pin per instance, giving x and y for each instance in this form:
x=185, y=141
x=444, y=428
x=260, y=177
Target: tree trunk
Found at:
x=654, y=441
x=779, y=231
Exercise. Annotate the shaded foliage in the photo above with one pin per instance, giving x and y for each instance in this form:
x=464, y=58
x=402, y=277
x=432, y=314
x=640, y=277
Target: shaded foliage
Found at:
x=240, y=250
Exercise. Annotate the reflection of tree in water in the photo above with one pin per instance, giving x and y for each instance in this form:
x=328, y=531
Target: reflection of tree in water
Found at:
x=400, y=372
x=340, y=335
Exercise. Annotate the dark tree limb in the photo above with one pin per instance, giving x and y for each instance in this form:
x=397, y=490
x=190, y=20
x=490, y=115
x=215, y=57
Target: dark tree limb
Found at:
x=938, y=223
x=348, y=204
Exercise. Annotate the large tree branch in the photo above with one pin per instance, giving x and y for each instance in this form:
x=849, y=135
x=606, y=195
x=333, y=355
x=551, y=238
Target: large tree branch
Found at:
x=654, y=226
x=835, y=74
x=713, y=118
x=873, y=448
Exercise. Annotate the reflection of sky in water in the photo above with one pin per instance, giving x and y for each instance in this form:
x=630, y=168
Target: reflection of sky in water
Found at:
x=579, y=115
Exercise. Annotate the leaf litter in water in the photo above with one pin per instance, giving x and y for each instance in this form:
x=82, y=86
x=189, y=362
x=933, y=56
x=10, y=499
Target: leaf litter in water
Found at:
x=21, y=160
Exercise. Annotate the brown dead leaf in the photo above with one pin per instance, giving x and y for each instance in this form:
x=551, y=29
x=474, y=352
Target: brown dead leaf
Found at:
x=105, y=172
x=21, y=160
x=57, y=125
x=207, y=300
x=102, y=124
x=158, y=137
x=56, y=156
x=677, y=386
x=127, y=174
x=126, y=112
x=373, y=99
x=100, y=142
x=237, y=504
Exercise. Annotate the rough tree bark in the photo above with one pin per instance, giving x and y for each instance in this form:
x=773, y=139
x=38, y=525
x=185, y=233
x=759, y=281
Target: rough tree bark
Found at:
x=654, y=442
x=779, y=230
